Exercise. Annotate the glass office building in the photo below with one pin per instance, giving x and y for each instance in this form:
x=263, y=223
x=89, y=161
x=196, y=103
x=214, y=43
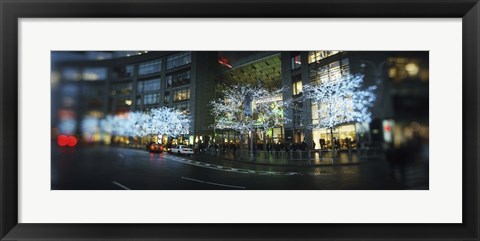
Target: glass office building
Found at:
x=103, y=83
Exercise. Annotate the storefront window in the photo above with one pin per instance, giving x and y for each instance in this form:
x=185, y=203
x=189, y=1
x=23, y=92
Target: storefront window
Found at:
x=345, y=134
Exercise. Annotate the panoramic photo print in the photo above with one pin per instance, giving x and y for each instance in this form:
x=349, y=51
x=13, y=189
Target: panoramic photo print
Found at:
x=240, y=120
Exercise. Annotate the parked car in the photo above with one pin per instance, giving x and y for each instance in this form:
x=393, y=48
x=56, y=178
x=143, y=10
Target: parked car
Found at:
x=182, y=149
x=155, y=147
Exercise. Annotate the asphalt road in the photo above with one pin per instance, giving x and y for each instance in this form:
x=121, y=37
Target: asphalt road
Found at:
x=115, y=168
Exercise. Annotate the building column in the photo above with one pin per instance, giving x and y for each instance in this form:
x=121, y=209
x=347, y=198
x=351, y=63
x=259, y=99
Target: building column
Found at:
x=307, y=106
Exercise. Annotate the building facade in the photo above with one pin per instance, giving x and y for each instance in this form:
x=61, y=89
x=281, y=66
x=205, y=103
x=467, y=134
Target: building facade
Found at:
x=137, y=81
x=118, y=82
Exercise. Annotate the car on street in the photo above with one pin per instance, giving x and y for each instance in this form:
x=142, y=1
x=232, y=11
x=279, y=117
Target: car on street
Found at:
x=182, y=149
x=155, y=147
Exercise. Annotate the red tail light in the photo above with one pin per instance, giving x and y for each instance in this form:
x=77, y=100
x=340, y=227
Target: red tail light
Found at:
x=62, y=140
x=72, y=141
x=152, y=147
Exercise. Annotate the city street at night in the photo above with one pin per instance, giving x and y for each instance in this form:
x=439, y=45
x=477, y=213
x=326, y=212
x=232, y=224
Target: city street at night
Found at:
x=246, y=120
x=115, y=168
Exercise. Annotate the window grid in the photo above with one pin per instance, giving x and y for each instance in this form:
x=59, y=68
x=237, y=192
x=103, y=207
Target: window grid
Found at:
x=316, y=56
x=151, y=99
x=181, y=94
x=148, y=85
x=150, y=67
x=179, y=79
x=179, y=60
x=297, y=85
x=330, y=72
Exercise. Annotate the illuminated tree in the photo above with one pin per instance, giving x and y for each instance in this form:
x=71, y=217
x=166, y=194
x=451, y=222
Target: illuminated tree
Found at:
x=245, y=108
x=89, y=125
x=341, y=101
x=159, y=121
x=138, y=123
x=168, y=121
x=106, y=124
x=121, y=125
x=269, y=108
x=229, y=111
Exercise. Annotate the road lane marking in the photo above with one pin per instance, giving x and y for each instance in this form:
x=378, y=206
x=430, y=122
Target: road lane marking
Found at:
x=121, y=155
x=120, y=185
x=212, y=183
x=179, y=159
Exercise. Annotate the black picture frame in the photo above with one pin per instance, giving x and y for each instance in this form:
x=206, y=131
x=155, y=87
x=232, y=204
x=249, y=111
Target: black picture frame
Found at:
x=12, y=10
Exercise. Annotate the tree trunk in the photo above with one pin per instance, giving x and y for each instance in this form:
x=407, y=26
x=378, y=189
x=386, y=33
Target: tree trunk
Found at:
x=333, y=142
x=251, y=145
x=264, y=140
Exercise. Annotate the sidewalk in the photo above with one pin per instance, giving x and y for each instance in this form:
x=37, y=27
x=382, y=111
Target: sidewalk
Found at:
x=291, y=158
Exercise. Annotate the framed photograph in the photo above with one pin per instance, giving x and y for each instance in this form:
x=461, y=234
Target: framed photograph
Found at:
x=318, y=120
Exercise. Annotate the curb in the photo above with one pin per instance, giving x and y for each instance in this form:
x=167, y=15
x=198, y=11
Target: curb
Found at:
x=286, y=165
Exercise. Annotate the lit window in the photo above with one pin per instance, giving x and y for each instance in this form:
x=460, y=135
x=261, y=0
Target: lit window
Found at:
x=315, y=114
x=316, y=56
x=297, y=88
x=330, y=72
x=297, y=85
x=182, y=94
x=93, y=74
